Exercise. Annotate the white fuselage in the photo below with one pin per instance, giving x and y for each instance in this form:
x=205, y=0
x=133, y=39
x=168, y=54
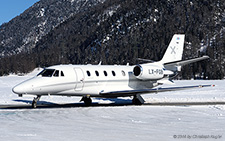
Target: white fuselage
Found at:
x=79, y=80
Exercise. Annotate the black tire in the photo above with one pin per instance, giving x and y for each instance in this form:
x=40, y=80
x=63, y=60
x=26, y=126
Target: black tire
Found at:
x=87, y=101
x=135, y=101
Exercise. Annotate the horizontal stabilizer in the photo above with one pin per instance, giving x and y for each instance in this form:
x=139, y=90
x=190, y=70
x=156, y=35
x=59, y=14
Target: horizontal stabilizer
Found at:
x=185, y=62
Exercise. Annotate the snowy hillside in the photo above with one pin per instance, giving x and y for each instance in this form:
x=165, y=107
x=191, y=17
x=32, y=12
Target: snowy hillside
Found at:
x=77, y=32
x=147, y=122
x=23, y=32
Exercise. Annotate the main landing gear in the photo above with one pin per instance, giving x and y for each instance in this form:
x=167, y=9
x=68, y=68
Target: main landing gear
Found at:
x=138, y=100
x=87, y=100
x=36, y=99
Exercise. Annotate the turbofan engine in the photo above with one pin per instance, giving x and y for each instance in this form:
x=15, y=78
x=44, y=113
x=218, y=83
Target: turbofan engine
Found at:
x=149, y=72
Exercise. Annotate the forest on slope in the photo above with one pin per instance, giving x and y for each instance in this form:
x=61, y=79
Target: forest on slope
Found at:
x=120, y=31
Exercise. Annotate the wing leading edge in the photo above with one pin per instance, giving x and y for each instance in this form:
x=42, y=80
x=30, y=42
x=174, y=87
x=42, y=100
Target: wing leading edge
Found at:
x=145, y=91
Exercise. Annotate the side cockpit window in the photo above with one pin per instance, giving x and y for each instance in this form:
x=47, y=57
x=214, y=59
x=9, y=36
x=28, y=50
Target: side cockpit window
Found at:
x=56, y=74
x=46, y=73
x=51, y=72
x=62, y=74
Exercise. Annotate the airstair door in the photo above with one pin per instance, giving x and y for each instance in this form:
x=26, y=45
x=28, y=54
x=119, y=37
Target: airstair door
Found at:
x=79, y=79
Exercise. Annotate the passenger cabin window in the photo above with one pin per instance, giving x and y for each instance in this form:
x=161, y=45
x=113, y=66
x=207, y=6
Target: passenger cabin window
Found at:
x=113, y=73
x=46, y=73
x=56, y=74
x=97, y=73
x=88, y=73
x=105, y=73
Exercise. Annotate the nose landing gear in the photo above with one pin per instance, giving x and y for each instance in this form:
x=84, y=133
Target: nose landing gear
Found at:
x=34, y=103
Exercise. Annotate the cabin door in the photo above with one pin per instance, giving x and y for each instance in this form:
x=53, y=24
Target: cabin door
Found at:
x=79, y=79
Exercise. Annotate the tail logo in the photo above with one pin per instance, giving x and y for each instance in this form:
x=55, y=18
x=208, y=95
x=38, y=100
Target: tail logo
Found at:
x=173, y=49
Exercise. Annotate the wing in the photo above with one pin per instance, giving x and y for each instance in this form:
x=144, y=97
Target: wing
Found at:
x=145, y=91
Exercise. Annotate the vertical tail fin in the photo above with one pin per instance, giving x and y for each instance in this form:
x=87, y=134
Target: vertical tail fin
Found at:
x=174, y=51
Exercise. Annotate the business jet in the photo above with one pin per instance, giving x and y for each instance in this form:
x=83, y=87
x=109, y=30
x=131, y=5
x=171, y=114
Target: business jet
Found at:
x=109, y=81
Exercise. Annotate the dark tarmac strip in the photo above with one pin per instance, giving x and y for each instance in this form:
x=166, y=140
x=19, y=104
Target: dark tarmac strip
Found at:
x=77, y=105
x=185, y=103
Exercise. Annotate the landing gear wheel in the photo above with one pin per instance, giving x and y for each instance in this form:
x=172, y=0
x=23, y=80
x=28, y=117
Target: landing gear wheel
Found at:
x=135, y=101
x=34, y=103
x=138, y=100
x=87, y=100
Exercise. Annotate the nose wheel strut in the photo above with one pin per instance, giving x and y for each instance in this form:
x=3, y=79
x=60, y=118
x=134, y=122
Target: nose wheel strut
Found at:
x=36, y=99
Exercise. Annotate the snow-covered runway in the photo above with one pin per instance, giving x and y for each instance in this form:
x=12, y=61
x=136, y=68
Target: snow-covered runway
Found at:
x=148, y=122
x=113, y=123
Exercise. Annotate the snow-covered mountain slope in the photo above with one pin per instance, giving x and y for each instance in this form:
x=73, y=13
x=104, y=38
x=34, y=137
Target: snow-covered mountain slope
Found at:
x=114, y=32
x=23, y=32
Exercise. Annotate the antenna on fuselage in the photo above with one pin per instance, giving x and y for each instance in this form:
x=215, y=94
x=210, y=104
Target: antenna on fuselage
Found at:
x=145, y=60
x=100, y=63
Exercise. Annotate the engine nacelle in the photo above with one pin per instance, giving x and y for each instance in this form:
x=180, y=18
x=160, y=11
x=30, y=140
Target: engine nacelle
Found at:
x=147, y=72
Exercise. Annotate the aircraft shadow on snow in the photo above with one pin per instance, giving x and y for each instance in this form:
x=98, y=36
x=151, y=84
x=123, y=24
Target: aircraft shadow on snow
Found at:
x=45, y=104
x=115, y=102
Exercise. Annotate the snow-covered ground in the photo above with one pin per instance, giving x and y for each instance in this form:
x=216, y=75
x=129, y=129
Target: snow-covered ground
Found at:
x=148, y=122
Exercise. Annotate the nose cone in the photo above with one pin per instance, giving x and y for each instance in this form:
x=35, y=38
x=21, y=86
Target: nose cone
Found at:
x=26, y=87
x=19, y=89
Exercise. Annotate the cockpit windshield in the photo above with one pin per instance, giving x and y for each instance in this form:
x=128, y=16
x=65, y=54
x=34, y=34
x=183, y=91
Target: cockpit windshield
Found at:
x=46, y=73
